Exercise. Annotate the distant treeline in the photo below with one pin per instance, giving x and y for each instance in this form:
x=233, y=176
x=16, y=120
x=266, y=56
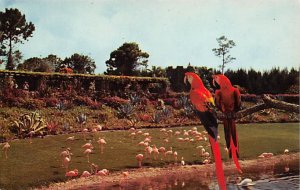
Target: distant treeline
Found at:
x=275, y=81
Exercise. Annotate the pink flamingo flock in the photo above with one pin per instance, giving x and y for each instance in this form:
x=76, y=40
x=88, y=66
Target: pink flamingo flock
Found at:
x=148, y=151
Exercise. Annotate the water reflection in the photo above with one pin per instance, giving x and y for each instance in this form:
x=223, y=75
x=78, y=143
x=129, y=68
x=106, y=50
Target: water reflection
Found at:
x=283, y=175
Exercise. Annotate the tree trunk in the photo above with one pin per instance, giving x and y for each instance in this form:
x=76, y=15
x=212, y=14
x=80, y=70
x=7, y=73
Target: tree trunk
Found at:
x=223, y=63
x=10, y=61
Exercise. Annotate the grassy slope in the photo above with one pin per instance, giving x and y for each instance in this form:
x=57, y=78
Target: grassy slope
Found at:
x=39, y=163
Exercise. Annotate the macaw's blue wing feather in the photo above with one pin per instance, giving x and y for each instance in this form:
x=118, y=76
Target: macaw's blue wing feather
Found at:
x=209, y=121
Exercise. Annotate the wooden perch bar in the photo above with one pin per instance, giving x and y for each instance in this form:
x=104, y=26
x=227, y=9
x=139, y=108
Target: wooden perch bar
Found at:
x=268, y=103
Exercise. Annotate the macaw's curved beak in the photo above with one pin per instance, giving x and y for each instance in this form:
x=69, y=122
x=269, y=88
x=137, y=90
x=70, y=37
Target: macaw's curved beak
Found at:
x=185, y=79
x=215, y=83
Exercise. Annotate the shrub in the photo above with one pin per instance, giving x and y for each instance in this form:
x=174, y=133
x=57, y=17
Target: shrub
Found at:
x=157, y=117
x=81, y=119
x=52, y=127
x=51, y=102
x=145, y=117
x=27, y=123
x=114, y=101
x=135, y=99
x=166, y=112
x=33, y=104
x=126, y=111
x=19, y=93
x=12, y=101
x=170, y=101
x=95, y=105
x=82, y=101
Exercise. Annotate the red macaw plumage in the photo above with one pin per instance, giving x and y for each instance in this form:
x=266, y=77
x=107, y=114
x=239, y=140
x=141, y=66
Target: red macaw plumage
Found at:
x=202, y=99
x=228, y=100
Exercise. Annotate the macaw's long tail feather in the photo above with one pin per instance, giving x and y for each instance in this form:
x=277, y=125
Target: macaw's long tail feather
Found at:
x=232, y=141
x=230, y=133
x=218, y=162
x=234, y=156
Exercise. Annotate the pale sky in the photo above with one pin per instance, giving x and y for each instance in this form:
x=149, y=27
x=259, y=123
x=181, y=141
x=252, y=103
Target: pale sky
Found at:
x=173, y=32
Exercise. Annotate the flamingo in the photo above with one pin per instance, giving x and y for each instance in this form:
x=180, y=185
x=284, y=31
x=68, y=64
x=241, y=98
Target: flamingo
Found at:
x=170, y=132
x=162, y=150
x=99, y=127
x=148, y=151
x=85, y=174
x=101, y=142
x=226, y=149
x=87, y=152
x=131, y=129
x=169, y=152
x=139, y=158
x=5, y=149
x=185, y=133
x=31, y=133
x=146, y=134
x=125, y=174
x=142, y=143
x=180, y=139
x=166, y=140
x=85, y=130
x=182, y=161
x=65, y=154
x=94, y=130
x=70, y=138
x=206, y=154
x=163, y=130
x=147, y=139
x=103, y=172
x=132, y=135
x=200, y=150
x=155, y=152
x=66, y=162
x=206, y=161
x=286, y=151
x=266, y=155
x=72, y=173
x=175, y=156
x=88, y=145
x=198, y=138
x=286, y=167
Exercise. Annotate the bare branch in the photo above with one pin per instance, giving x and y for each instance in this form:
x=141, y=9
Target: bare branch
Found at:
x=268, y=103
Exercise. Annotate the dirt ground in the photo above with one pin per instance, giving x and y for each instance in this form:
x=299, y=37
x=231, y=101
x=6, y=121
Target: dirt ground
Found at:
x=203, y=172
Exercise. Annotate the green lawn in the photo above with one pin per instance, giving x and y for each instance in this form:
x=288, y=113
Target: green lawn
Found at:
x=39, y=163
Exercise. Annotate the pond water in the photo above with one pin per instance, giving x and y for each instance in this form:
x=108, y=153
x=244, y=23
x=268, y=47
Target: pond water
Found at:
x=277, y=178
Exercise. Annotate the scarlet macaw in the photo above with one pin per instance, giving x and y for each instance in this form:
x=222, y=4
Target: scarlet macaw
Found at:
x=228, y=100
x=203, y=101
